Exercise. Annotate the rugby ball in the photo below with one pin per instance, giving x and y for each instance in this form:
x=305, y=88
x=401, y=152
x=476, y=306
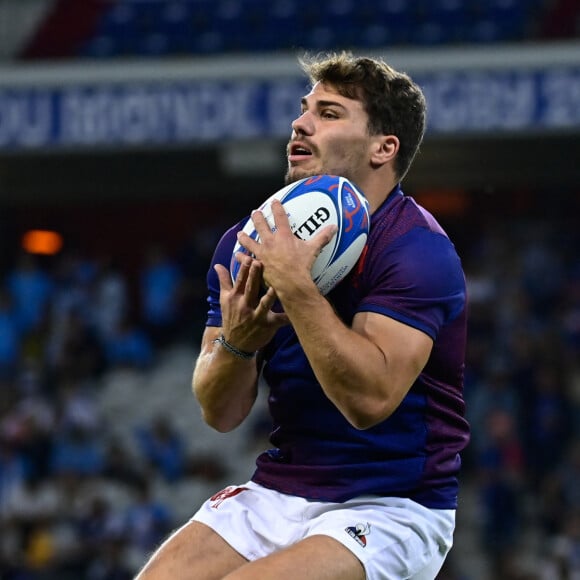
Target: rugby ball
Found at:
x=310, y=204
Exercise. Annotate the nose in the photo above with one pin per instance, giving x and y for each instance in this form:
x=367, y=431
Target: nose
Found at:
x=303, y=124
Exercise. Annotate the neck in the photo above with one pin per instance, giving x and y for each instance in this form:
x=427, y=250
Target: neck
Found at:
x=377, y=193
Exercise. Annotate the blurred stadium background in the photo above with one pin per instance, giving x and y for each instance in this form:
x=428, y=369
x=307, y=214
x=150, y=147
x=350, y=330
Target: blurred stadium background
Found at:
x=132, y=132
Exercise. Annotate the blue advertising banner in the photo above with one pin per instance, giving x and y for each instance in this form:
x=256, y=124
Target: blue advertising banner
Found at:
x=147, y=113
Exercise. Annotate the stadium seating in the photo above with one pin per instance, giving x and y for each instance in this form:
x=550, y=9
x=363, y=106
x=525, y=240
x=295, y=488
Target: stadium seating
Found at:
x=150, y=28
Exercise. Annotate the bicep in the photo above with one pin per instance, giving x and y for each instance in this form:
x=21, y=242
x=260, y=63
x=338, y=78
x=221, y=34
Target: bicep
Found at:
x=406, y=350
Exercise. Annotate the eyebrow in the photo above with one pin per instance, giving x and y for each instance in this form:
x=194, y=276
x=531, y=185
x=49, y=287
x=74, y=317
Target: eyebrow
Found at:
x=321, y=104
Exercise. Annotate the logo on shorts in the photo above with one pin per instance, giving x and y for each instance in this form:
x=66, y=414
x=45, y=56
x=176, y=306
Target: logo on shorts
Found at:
x=359, y=533
x=230, y=491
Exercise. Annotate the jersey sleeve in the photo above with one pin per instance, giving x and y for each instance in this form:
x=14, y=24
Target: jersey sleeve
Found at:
x=416, y=279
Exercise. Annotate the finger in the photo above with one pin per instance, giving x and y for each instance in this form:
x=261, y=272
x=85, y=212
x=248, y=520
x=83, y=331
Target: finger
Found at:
x=224, y=277
x=254, y=280
x=261, y=224
x=278, y=319
x=249, y=243
x=245, y=262
x=323, y=237
x=267, y=301
x=280, y=217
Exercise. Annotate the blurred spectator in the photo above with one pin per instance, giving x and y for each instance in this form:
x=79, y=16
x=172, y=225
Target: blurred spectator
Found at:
x=570, y=313
x=31, y=403
x=79, y=490
x=34, y=444
x=207, y=467
x=160, y=287
x=120, y=466
x=542, y=273
x=77, y=407
x=110, y=298
x=163, y=448
x=111, y=563
x=74, y=280
x=147, y=522
x=194, y=258
x=73, y=350
x=493, y=392
x=563, y=558
x=31, y=289
x=77, y=451
x=129, y=346
x=32, y=518
x=13, y=473
x=549, y=420
x=568, y=474
x=32, y=379
x=500, y=472
x=28, y=427
x=10, y=338
x=97, y=524
x=551, y=505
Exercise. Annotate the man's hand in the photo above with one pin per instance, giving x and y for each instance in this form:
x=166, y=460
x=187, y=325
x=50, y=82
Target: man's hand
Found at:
x=286, y=259
x=247, y=319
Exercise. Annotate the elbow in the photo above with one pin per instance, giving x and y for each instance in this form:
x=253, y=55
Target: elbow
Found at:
x=363, y=423
x=210, y=416
x=214, y=417
x=365, y=412
x=366, y=418
x=222, y=413
x=218, y=422
x=219, y=425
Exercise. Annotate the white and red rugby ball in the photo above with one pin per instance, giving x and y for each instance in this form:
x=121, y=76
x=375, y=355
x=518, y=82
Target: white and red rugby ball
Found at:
x=310, y=204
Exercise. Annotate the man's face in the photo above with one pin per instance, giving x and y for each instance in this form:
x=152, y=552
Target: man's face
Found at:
x=330, y=137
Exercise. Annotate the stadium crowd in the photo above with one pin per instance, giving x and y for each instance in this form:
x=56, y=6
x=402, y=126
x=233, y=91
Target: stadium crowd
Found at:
x=65, y=322
x=79, y=502
x=522, y=395
x=71, y=320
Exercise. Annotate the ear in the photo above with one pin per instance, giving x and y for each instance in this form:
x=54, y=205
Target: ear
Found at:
x=384, y=149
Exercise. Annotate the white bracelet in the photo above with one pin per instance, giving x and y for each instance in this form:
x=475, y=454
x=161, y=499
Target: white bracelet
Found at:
x=231, y=348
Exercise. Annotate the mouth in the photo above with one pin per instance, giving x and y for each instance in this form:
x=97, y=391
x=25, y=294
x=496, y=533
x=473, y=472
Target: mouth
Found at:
x=298, y=152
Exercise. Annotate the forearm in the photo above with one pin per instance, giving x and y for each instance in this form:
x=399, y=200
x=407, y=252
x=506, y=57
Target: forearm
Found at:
x=224, y=385
x=349, y=367
x=366, y=369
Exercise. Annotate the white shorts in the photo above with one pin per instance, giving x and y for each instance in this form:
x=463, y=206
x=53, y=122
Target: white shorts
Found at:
x=394, y=538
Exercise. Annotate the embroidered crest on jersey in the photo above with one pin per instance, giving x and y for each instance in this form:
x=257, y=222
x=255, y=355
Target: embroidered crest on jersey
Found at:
x=359, y=532
x=230, y=491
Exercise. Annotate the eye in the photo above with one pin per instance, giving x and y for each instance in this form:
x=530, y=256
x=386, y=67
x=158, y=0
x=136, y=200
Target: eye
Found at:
x=328, y=114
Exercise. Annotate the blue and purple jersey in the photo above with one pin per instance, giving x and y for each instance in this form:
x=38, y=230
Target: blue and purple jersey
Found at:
x=409, y=271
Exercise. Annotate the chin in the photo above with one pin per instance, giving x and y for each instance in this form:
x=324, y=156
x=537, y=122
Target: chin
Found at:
x=294, y=174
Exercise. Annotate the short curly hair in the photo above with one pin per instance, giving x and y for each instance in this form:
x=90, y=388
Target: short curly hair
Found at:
x=393, y=102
